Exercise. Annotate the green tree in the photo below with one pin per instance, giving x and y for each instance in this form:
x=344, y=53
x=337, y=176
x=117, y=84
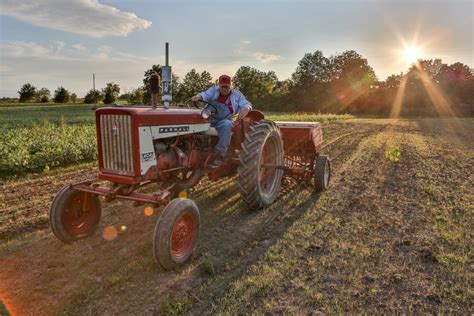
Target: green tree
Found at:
x=111, y=92
x=253, y=83
x=93, y=96
x=281, y=87
x=351, y=80
x=73, y=98
x=61, y=95
x=125, y=96
x=43, y=95
x=193, y=83
x=136, y=96
x=312, y=68
x=27, y=92
x=392, y=81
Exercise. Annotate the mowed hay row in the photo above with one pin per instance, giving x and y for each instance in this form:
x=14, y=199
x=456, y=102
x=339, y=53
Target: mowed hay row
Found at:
x=379, y=239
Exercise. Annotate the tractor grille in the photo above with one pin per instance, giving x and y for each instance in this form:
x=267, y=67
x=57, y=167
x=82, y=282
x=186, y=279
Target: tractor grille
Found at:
x=116, y=141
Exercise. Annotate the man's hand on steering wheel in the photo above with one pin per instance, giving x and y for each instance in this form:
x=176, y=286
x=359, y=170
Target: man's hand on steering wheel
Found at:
x=196, y=98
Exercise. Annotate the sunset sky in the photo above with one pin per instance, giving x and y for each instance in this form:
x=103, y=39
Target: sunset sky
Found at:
x=53, y=42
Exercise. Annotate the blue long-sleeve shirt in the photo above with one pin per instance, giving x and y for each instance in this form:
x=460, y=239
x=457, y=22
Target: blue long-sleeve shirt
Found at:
x=237, y=99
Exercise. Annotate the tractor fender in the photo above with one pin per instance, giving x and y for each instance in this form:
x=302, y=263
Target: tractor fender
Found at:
x=255, y=116
x=251, y=117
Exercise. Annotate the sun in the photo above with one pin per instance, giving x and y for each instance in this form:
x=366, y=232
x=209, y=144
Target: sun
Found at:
x=411, y=54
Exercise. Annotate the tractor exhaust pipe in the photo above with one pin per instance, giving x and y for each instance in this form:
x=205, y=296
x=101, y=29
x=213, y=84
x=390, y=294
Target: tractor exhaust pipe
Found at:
x=166, y=79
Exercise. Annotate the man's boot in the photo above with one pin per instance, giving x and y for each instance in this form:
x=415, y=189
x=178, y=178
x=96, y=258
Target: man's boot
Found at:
x=218, y=162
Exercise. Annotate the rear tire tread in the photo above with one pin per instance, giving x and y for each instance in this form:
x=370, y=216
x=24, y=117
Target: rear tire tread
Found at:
x=249, y=159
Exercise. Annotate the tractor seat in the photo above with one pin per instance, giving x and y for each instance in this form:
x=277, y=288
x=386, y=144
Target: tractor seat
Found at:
x=211, y=132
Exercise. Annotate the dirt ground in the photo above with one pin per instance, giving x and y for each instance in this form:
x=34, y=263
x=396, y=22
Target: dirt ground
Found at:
x=388, y=236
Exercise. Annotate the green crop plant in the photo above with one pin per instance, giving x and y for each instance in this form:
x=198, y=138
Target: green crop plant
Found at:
x=393, y=153
x=40, y=147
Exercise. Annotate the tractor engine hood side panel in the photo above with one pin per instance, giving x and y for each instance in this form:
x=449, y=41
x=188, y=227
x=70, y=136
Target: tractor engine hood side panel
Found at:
x=149, y=133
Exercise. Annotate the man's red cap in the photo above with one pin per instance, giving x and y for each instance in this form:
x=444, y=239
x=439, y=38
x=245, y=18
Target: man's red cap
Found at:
x=224, y=79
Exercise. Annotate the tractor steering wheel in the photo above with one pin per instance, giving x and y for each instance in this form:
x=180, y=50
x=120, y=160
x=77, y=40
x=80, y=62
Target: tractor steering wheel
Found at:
x=206, y=105
x=191, y=103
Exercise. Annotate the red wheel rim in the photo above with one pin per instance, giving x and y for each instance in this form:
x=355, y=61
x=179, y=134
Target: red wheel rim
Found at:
x=183, y=235
x=80, y=214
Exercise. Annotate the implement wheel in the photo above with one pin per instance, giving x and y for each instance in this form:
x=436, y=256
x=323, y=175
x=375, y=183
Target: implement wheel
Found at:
x=74, y=214
x=176, y=233
x=322, y=173
x=259, y=179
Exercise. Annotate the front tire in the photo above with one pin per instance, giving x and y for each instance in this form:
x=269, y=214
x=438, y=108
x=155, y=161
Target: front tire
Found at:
x=74, y=214
x=262, y=151
x=176, y=233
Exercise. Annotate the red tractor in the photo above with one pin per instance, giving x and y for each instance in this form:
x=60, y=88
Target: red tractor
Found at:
x=173, y=147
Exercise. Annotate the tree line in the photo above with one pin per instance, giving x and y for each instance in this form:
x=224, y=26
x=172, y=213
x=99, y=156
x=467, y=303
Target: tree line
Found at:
x=341, y=83
x=29, y=93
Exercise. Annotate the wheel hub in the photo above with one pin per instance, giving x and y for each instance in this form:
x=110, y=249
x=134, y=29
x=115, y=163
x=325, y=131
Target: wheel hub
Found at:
x=78, y=218
x=183, y=235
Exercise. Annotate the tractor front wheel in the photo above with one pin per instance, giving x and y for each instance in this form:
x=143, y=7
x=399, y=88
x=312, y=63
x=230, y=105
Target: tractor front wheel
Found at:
x=261, y=154
x=176, y=233
x=74, y=214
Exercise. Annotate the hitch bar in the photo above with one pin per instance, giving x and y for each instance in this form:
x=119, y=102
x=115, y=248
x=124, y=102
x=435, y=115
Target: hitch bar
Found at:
x=269, y=165
x=159, y=198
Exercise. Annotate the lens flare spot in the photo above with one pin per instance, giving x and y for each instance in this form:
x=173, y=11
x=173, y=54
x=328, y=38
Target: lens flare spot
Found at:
x=123, y=228
x=110, y=233
x=411, y=54
x=182, y=194
x=148, y=211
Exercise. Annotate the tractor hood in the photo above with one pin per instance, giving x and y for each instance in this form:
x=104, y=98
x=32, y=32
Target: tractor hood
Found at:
x=147, y=116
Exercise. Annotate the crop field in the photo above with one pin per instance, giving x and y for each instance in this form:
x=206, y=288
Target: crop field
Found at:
x=392, y=234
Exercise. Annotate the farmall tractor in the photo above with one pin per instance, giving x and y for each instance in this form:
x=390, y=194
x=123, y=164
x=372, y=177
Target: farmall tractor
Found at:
x=172, y=147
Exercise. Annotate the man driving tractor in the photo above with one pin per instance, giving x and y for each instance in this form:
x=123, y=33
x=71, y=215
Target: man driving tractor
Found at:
x=227, y=102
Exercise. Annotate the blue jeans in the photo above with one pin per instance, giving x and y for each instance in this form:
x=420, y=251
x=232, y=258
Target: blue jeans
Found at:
x=224, y=129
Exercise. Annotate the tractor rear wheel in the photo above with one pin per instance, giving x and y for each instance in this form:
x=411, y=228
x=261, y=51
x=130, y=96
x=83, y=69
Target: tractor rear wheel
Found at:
x=261, y=152
x=74, y=214
x=322, y=173
x=176, y=233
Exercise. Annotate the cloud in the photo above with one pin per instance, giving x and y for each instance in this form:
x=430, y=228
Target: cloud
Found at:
x=267, y=58
x=17, y=49
x=62, y=51
x=85, y=17
x=79, y=47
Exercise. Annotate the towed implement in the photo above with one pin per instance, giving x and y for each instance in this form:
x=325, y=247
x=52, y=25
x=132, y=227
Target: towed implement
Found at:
x=172, y=148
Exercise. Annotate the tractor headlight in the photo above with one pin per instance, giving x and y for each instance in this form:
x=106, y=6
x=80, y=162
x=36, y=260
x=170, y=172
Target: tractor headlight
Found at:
x=205, y=114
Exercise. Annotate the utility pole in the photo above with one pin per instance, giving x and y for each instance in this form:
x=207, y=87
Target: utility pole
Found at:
x=93, y=85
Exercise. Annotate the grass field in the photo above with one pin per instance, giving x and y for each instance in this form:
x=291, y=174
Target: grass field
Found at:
x=387, y=237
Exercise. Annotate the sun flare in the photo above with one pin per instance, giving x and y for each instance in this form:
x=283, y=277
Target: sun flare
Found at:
x=411, y=54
